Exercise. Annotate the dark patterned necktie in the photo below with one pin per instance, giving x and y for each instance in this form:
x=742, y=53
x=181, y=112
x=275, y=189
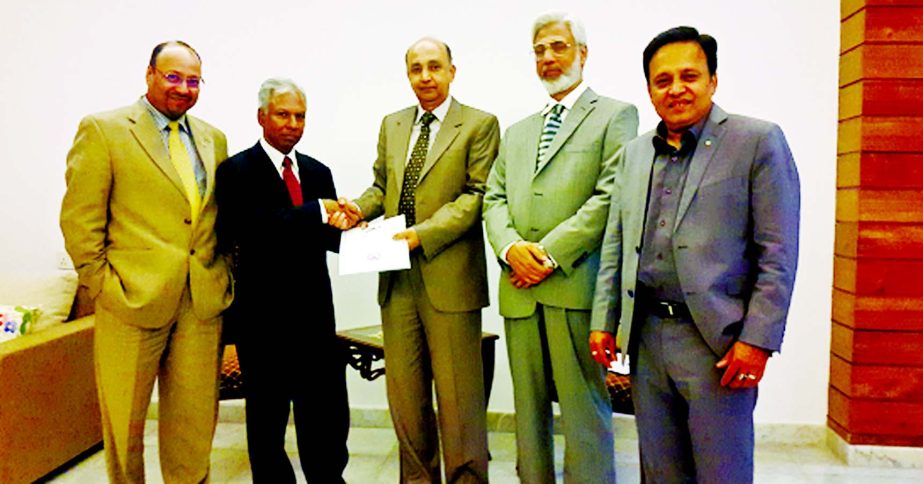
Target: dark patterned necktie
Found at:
x=288, y=176
x=552, y=125
x=407, y=204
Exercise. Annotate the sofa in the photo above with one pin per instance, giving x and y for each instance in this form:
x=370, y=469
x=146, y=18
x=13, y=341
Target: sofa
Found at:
x=49, y=411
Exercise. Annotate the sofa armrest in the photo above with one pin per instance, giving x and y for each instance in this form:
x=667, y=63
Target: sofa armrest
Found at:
x=29, y=341
x=49, y=411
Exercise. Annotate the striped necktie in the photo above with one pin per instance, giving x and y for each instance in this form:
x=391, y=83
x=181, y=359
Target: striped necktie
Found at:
x=183, y=164
x=552, y=125
x=407, y=203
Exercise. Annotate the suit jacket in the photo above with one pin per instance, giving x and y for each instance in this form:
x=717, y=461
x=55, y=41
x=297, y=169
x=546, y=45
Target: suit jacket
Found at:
x=448, y=201
x=280, y=250
x=127, y=223
x=735, y=240
x=562, y=203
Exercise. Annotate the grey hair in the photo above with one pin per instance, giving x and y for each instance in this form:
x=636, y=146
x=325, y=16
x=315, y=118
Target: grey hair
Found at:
x=572, y=23
x=275, y=85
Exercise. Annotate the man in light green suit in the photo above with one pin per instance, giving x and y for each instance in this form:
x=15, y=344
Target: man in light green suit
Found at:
x=545, y=209
x=433, y=161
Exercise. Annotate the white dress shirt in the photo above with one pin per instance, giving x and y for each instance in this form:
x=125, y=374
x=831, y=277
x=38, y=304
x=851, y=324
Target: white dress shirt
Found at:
x=434, y=126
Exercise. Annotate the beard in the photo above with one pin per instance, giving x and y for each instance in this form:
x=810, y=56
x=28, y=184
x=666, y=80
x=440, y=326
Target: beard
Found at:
x=571, y=76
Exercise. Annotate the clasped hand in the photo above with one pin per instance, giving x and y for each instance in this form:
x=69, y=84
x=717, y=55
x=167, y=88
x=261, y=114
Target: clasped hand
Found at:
x=529, y=262
x=342, y=213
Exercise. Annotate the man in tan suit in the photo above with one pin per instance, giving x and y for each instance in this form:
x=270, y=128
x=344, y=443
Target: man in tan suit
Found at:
x=433, y=160
x=138, y=221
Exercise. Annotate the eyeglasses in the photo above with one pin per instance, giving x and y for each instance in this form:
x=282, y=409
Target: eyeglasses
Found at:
x=175, y=79
x=557, y=47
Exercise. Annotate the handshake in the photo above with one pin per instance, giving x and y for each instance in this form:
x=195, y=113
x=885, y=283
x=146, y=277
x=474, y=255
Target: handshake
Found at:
x=343, y=214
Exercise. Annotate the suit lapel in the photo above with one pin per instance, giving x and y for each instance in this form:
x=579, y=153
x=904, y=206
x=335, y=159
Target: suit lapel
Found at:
x=582, y=108
x=145, y=131
x=305, y=178
x=403, y=124
x=204, y=146
x=264, y=168
x=448, y=131
x=705, y=150
x=533, y=133
x=641, y=189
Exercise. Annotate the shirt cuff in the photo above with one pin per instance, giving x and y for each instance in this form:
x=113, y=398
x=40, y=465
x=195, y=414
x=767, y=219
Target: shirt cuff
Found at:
x=323, y=212
x=550, y=262
x=504, y=252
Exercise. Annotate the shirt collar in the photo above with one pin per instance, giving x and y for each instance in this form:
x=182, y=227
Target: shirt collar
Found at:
x=161, y=119
x=439, y=112
x=277, y=156
x=569, y=100
x=689, y=139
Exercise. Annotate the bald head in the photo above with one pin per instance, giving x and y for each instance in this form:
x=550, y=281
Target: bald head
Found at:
x=430, y=41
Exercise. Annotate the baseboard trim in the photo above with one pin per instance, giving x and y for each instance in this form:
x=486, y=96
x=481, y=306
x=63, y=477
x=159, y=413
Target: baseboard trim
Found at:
x=874, y=455
x=232, y=411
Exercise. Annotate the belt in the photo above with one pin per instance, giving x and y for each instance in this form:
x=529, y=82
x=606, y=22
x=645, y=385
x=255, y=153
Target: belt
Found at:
x=662, y=308
x=668, y=309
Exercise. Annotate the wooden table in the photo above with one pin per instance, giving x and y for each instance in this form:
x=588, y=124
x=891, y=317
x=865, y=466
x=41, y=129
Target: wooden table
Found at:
x=365, y=346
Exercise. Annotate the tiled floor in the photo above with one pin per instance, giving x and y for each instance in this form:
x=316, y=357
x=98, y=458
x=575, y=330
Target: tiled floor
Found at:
x=373, y=459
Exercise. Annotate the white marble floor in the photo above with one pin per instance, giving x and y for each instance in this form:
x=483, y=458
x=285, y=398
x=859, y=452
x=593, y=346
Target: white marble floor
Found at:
x=374, y=459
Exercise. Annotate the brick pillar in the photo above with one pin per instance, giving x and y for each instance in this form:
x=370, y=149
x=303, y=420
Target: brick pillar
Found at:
x=876, y=360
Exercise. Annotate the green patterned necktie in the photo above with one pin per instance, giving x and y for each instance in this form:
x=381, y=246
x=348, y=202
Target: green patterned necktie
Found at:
x=412, y=170
x=552, y=125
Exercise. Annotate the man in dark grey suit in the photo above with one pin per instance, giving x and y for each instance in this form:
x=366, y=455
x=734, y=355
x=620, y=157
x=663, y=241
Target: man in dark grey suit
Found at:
x=697, y=267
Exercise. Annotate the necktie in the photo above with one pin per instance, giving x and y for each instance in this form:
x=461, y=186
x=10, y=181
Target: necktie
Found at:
x=294, y=188
x=407, y=204
x=183, y=164
x=552, y=125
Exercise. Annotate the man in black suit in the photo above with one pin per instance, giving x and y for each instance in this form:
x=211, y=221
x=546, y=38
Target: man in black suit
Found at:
x=274, y=205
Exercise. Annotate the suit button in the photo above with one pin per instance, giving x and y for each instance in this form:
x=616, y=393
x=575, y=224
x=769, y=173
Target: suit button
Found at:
x=631, y=293
x=192, y=252
x=187, y=221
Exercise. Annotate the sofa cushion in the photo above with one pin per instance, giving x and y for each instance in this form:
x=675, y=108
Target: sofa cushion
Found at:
x=52, y=292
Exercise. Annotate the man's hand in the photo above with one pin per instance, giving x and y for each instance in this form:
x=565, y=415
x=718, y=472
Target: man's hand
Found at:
x=530, y=264
x=342, y=213
x=602, y=347
x=330, y=206
x=743, y=365
x=410, y=235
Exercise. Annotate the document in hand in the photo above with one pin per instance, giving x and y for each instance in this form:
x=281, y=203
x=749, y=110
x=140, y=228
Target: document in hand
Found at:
x=373, y=248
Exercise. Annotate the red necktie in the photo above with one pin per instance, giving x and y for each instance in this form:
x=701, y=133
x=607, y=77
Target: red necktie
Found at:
x=294, y=188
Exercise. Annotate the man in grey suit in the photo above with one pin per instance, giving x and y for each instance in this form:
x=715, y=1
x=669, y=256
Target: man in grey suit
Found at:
x=433, y=161
x=545, y=210
x=698, y=264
